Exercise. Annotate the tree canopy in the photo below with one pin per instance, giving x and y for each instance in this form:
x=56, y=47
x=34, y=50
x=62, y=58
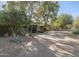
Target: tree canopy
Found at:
x=17, y=14
x=63, y=21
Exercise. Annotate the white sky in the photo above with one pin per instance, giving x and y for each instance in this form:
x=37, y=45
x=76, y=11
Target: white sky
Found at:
x=2, y=3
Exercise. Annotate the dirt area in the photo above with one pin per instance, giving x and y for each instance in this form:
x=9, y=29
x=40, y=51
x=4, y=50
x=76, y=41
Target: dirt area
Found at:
x=49, y=44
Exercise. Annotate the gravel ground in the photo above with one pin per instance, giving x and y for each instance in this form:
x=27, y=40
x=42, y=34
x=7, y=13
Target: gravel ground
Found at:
x=49, y=44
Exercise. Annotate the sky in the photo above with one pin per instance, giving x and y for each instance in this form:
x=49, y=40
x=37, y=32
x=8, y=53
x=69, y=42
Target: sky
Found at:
x=2, y=3
x=69, y=7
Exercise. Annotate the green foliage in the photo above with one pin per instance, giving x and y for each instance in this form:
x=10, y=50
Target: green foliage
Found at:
x=56, y=24
x=76, y=23
x=64, y=21
x=76, y=31
x=48, y=11
x=12, y=17
x=76, y=26
x=4, y=30
x=65, y=18
x=19, y=14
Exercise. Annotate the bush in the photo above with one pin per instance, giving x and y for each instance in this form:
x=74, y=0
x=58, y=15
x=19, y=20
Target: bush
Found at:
x=76, y=31
x=4, y=30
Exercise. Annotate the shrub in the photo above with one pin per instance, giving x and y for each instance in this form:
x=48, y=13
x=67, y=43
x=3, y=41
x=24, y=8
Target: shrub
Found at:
x=4, y=30
x=76, y=31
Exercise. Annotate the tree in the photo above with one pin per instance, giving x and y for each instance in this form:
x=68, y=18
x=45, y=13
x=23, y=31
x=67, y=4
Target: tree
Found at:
x=64, y=21
x=12, y=17
x=13, y=20
x=76, y=23
x=48, y=11
x=40, y=10
x=28, y=7
x=56, y=24
x=31, y=11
